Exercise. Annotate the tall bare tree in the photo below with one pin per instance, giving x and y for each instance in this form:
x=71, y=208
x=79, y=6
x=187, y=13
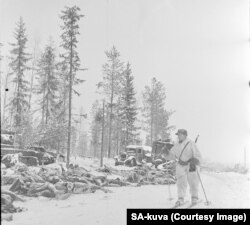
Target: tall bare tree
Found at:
x=70, y=30
x=95, y=128
x=110, y=85
x=47, y=82
x=33, y=69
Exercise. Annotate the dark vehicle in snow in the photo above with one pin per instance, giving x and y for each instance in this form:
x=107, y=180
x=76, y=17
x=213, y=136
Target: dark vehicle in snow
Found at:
x=160, y=149
x=134, y=155
x=43, y=156
x=34, y=155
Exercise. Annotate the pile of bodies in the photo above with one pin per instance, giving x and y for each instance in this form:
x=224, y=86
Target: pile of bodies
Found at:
x=56, y=181
x=149, y=174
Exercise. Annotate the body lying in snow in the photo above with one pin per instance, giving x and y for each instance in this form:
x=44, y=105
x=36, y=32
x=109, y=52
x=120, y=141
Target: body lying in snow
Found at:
x=78, y=187
x=49, y=190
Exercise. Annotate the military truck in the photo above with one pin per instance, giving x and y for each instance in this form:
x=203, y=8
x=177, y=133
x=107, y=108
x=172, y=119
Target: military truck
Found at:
x=160, y=149
x=33, y=155
x=44, y=157
x=134, y=155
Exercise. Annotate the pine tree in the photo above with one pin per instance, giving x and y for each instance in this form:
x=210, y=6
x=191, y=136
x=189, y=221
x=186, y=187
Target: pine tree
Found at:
x=63, y=89
x=83, y=144
x=118, y=134
x=154, y=112
x=19, y=58
x=48, y=82
x=70, y=30
x=60, y=110
x=95, y=128
x=33, y=70
x=110, y=85
x=128, y=109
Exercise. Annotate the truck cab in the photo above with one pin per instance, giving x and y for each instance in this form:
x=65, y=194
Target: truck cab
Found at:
x=160, y=151
x=133, y=155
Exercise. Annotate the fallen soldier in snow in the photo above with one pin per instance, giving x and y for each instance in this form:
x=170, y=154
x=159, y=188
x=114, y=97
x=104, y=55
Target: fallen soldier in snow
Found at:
x=34, y=189
x=7, y=207
x=29, y=188
x=79, y=188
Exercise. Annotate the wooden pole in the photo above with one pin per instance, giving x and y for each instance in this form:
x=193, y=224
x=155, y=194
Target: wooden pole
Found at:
x=103, y=113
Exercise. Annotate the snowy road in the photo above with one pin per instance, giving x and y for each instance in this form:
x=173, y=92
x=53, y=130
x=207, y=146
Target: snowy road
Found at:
x=224, y=190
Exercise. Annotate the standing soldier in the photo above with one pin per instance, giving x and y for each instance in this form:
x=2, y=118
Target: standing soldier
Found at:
x=188, y=159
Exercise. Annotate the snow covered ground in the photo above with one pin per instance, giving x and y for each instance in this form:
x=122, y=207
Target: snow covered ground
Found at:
x=224, y=190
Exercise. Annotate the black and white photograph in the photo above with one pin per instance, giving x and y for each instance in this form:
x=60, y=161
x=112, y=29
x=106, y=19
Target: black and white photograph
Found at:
x=114, y=105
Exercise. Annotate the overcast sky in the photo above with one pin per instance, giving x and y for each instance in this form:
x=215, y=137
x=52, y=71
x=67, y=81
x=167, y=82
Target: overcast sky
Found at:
x=198, y=48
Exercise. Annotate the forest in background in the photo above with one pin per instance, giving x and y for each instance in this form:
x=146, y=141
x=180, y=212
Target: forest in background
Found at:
x=39, y=86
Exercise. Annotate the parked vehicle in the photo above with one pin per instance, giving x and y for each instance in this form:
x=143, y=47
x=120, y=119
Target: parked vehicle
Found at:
x=31, y=156
x=7, y=143
x=43, y=156
x=134, y=155
x=159, y=151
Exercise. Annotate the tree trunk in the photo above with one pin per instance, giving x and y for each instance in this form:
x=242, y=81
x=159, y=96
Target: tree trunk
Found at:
x=47, y=109
x=151, y=127
x=47, y=99
x=58, y=147
x=70, y=98
x=110, y=121
x=126, y=136
x=4, y=101
x=103, y=114
x=117, y=137
x=43, y=107
x=32, y=77
x=17, y=105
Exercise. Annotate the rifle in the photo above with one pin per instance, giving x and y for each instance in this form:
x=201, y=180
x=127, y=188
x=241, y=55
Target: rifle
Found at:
x=196, y=139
